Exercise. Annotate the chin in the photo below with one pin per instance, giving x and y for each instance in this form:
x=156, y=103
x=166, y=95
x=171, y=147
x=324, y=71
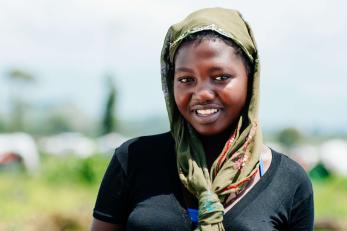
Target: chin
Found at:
x=207, y=131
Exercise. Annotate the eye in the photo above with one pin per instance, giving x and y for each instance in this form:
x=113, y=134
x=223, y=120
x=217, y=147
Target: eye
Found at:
x=185, y=80
x=221, y=78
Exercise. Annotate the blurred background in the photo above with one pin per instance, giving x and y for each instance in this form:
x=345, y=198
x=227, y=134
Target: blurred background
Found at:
x=79, y=77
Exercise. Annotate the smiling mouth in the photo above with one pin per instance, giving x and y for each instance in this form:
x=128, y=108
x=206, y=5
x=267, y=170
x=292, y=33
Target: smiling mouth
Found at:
x=206, y=112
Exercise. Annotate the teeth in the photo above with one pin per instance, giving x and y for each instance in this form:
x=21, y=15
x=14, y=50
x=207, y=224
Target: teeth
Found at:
x=206, y=111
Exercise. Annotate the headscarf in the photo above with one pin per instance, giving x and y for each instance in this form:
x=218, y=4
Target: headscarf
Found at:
x=238, y=163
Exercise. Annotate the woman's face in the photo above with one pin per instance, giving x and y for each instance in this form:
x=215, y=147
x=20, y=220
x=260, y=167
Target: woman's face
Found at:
x=210, y=85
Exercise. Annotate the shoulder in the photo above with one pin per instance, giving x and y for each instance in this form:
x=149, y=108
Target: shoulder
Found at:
x=145, y=143
x=296, y=180
x=143, y=148
x=291, y=168
x=294, y=191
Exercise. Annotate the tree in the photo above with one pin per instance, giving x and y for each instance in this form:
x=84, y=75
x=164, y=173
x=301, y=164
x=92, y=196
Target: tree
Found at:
x=289, y=137
x=20, y=76
x=109, y=121
x=19, y=80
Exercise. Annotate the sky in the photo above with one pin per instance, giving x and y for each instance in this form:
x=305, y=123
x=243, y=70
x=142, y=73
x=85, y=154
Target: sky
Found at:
x=70, y=45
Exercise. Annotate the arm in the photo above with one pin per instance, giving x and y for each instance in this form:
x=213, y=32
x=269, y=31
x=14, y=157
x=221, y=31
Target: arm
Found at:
x=99, y=225
x=110, y=209
x=302, y=215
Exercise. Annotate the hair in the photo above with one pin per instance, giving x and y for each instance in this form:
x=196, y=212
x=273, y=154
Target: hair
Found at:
x=198, y=37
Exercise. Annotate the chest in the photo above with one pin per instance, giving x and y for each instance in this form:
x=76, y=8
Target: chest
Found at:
x=163, y=212
x=158, y=204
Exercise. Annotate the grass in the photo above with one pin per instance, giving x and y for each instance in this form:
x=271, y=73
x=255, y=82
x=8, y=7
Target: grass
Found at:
x=61, y=194
x=330, y=197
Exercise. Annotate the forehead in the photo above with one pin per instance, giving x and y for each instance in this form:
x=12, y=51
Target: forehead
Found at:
x=203, y=49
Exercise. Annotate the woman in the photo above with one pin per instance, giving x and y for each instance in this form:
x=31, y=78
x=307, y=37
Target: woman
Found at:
x=212, y=171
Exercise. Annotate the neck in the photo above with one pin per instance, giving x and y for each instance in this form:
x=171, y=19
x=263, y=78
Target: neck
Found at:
x=213, y=145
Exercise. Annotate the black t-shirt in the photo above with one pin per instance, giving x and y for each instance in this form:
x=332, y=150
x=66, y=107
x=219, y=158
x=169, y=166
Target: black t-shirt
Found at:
x=141, y=190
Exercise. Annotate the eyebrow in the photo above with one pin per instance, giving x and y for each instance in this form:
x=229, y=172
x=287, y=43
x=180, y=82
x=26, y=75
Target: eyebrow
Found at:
x=183, y=69
x=186, y=69
x=216, y=69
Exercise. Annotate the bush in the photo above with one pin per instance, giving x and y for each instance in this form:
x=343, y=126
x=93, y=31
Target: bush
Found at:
x=73, y=169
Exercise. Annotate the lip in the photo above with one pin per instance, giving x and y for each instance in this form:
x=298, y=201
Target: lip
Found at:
x=206, y=119
x=195, y=107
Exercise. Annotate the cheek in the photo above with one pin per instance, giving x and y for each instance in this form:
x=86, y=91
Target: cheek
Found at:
x=235, y=95
x=179, y=97
x=182, y=100
x=176, y=94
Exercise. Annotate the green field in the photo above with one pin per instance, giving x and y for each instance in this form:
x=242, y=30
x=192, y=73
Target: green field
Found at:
x=61, y=196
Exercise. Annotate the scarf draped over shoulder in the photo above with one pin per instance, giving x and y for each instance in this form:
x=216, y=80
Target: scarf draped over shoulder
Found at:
x=238, y=163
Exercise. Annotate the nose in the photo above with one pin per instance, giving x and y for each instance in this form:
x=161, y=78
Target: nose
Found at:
x=203, y=92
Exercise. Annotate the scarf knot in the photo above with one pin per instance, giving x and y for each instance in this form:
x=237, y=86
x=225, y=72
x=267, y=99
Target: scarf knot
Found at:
x=211, y=211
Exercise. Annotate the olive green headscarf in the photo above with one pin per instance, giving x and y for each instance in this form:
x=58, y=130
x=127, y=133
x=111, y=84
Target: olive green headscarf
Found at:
x=238, y=163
